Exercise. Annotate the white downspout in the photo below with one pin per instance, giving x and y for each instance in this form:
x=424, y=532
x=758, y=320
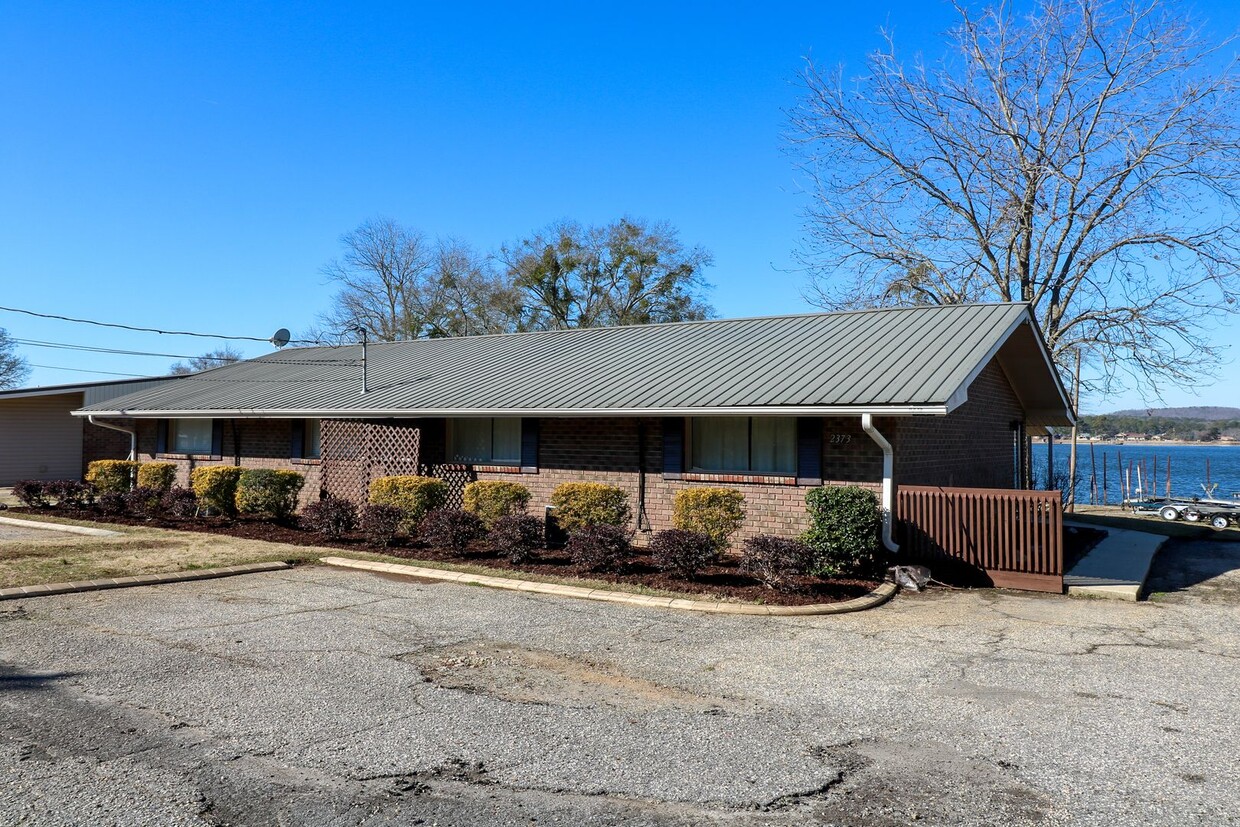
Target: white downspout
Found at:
x=889, y=489
x=133, y=435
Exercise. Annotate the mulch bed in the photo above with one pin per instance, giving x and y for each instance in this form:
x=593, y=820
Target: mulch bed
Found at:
x=723, y=580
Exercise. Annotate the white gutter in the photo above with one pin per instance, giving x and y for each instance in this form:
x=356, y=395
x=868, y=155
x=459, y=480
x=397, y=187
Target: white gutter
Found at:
x=133, y=434
x=413, y=413
x=888, y=497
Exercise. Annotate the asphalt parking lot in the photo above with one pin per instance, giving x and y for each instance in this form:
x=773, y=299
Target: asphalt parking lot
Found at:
x=317, y=696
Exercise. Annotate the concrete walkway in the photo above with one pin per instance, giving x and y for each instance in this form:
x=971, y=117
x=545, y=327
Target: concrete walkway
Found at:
x=1116, y=568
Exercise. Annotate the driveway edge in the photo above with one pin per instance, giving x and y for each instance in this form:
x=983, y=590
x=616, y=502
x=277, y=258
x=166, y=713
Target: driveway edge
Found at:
x=17, y=592
x=68, y=529
x=877, y=597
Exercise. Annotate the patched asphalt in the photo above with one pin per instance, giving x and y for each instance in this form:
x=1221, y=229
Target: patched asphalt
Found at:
x=318, y=696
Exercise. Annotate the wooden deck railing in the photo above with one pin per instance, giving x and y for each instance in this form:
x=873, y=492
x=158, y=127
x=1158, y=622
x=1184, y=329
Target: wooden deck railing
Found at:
x=1014, y=537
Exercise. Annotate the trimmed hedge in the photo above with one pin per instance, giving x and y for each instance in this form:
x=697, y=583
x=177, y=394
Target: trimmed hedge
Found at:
x=517, y=537
x=682, y=551
x=492, y=499
x=716, y=512
x=414, y=496
x=215, y=486
x=159, y=475
x=775, y=560
x=111, y=475
x=268, y=491
x=582, y=504
x=599, y=548
x=332, y=517
x=843, y=532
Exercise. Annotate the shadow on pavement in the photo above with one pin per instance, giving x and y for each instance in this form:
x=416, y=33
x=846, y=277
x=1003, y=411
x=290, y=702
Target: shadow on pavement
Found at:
x=1183, y=564
x=13, y=680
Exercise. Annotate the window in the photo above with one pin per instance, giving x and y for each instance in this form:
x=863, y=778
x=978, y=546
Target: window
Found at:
x=313, y=447
x=189, y=436
x=744, y=445
x=485, y=441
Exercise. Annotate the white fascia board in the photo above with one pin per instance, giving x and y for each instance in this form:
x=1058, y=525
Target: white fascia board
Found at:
x=412, y=413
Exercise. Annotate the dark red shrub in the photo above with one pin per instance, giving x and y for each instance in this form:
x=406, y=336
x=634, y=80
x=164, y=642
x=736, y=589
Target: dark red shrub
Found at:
x=517, y=536
x=71, y=493
x=332, y=517
x=682, y=551
x=775, y=561
x=380, y=523
x=451, y=529
x=145, y=502
x=111, y=503
x=599, y=548
x=180, y=502
x=32, y=493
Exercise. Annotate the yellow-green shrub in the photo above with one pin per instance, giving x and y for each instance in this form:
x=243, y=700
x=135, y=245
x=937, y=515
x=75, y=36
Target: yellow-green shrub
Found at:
x=111, y=476
x=580, y=504
x=414, y=496
x=492, y=499
x=268, y=491
x=157, y=475
x=715, y=512
x=215, y=486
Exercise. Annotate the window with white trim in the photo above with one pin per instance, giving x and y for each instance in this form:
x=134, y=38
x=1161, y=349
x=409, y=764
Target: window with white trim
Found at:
x=485, y=441
x=189, y=436
x=743, y=445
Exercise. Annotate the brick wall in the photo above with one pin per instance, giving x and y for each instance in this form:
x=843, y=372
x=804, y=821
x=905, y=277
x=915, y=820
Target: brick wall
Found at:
x=104, y=443
x=972, y=447
x=254, y=443
x=606, y=450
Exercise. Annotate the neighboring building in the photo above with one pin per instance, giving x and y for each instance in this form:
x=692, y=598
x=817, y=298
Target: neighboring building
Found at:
x=770, y=406
x=40, y=439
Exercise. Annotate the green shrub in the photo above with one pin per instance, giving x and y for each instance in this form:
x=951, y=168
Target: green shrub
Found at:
x=160, y=475
x=843, y=531
x=111, y=476
x=215, y=486
x=716, y=512
x=581, y=504
x=492, y=499
x=414, y=496
x=270, y=492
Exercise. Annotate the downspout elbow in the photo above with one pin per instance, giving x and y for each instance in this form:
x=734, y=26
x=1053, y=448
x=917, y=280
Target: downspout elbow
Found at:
x=133, y=435
x=887, y=501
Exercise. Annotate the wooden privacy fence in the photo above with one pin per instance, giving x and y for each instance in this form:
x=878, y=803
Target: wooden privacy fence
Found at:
x=1014, y=537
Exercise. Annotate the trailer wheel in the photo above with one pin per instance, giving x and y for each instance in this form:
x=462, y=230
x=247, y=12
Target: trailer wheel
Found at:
x=1169, y=513
x=1192, y=516
x=1220, y=521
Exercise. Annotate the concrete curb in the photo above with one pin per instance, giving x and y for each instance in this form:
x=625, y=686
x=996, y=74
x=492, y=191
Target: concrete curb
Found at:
x=18, y=592
x=68, y=529
x=875, y=598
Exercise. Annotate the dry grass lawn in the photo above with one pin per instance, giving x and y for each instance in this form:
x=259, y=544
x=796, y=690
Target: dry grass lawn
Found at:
x=54, y=557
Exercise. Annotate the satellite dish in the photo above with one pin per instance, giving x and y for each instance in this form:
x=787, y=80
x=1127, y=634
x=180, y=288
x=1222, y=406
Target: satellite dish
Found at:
x=281, y=337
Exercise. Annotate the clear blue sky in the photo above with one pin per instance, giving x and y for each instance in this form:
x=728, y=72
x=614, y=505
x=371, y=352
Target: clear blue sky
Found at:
x=194, y=165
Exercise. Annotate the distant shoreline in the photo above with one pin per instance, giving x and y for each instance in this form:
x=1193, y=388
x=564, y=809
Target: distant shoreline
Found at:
x=1041, y=440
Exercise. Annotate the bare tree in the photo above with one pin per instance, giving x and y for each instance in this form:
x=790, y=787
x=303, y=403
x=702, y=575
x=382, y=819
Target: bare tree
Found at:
x=627, y=272
x=225, y=355
x=398, y=284
x=13, y=367
x=1082, y=157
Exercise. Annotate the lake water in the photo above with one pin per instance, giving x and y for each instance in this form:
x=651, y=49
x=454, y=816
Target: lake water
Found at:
x=1188, y=467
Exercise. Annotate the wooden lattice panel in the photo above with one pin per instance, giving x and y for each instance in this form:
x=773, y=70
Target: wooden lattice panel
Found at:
x=456, y=477
x=355, y=452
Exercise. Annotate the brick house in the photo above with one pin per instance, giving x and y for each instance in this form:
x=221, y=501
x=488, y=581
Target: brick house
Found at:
x=770, y=406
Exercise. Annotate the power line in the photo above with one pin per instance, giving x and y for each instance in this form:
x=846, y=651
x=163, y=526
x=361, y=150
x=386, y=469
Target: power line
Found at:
x=94, y=349
x=132, y=327
x=80, y=370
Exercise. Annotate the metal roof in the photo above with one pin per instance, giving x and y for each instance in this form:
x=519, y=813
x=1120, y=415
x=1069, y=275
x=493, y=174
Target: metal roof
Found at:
x=94, y=391
x=916, y=360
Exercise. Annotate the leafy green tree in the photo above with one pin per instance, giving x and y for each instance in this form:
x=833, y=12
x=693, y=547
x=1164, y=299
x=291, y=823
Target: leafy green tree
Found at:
x=626, y=272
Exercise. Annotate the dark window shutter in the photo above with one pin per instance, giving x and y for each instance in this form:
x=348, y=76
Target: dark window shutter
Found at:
x=809, y=450
x=217, y=437
x=161, y=436
x=673, y=447
x=529, y=445
x=297, y=439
